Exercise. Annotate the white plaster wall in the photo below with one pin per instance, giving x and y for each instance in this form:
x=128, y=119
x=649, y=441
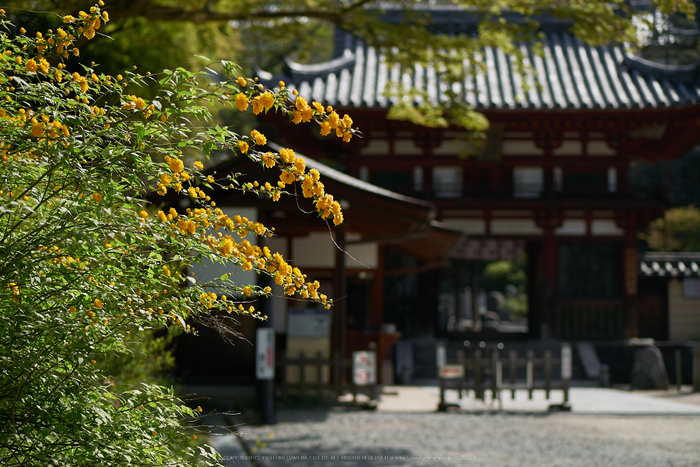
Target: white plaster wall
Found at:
x=600, y=148
x=606, y=227
x=375, y=147
x=683, y=313
x=569, y=148
x=520, y=148
x=572, y=227
x=207, y=271
x=316, y=250
x=515, y=227
x=469, y=226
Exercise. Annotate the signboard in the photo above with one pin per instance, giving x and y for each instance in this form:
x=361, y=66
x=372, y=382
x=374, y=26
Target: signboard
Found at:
x=488, y=249
x=364, y=368
x=440, y=356
x=309, y=322
x=565, y=361
x=265, y=353
x=451, y=371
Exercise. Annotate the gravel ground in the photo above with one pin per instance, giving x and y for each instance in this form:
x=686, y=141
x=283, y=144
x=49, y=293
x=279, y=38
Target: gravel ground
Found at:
x=314, y=437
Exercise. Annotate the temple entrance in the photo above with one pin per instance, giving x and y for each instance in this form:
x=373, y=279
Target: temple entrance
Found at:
x=484, y=297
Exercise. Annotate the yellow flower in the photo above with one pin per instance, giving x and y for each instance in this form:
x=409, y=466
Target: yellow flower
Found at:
x=241, y=101
x=268, y=159
x=37, y=130
x=31, y=66
x=176, y=165
x=257, y=105
x=333, y=120
x=243, y=146
x=267, y=100
x=258, y=137
x=105, y=17
x=287, y=155
x=241, y=81
x=89, y=33
x=199, y=165
x=143, y=214
x=98, y=303
x=97, y=197
x=287, y=177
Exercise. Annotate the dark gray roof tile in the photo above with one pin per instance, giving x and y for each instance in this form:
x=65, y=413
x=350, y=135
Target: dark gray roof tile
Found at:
x=571, y=75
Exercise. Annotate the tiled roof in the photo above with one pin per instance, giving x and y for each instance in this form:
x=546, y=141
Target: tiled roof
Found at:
x=670, y=264
x=572, y=74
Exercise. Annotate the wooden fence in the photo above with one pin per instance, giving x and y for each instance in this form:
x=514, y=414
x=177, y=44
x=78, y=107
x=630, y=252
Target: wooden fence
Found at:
x=322, y=378
x=492, y=370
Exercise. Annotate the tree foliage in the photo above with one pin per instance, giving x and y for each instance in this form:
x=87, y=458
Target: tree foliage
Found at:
x=402, y=29
x=89, y=261
x=677, y=230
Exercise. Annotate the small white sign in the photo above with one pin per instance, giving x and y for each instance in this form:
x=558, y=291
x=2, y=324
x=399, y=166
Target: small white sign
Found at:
x=440, y=356
x=265, y=353
x=451, y=371
x=364, y=368
x=565, y=361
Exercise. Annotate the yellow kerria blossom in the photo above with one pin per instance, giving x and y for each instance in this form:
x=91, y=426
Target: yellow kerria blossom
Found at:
x=258, y=137
x=199, y=165
x=287, y=155
x=241, y=101
x=268, y=159
x=37, y=130
x=243, y=146
x=143, y=214
x=241, y=81
x=267, y=99
x=98, y=303
x=325, y=129
x=333, y=120
x=176, y=165
x=97, y=197
x=31, y=66
x=287, y=177
x=257, y=106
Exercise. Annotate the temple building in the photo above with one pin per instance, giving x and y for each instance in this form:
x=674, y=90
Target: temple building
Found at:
x=548, y=188
x=532, y=234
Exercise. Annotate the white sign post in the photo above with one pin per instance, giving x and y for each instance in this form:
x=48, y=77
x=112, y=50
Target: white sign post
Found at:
x=364, y=368
x=265, y=353
x=566, y=361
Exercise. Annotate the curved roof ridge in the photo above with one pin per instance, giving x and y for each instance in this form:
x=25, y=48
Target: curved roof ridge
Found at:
x=311, y=71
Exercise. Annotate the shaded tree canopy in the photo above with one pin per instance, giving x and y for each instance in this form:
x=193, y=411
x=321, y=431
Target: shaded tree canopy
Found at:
x=678, y=230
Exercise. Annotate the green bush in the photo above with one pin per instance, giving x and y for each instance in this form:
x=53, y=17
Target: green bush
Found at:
x=89, y=268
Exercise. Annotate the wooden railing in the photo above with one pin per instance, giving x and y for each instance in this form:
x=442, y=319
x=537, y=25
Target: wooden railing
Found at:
x=589, y=319
x=494, y=371
x=321, y=378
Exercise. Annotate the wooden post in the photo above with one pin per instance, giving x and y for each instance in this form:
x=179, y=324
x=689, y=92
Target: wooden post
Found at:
x=478, y=389
x=302, y=370
x=495, y=361
x=530, y=372
x=696, y=368
x=566, y=372
x=319, y=375
x=547, y=372
x=285, y=383
x=513, y=368
x=460, y=381
x=442, y=407
x=679, y=370
x=337, y=368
